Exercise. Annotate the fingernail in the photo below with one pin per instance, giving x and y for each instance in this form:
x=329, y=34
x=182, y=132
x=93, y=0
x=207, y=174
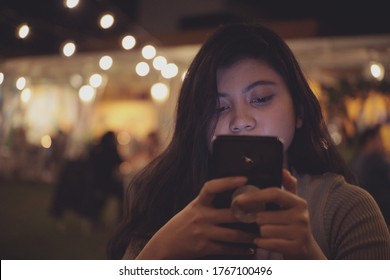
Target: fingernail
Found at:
x=251, y=251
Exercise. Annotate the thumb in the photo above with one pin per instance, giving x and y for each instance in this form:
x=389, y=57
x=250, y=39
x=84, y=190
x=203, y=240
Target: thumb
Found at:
x=289, y=182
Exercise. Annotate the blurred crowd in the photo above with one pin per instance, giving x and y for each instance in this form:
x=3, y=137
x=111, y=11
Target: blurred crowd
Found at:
x=84, y=183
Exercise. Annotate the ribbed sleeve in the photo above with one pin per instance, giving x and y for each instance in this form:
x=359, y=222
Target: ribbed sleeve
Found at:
x=346, y=220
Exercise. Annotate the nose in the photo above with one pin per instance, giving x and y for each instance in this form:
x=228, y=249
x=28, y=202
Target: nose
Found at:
x=242, y=121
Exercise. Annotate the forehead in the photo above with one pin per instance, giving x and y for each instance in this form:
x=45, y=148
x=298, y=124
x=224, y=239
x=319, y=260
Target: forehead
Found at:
x=247, y=70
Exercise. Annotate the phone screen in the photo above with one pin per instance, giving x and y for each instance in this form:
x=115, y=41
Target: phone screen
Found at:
x=259, y=158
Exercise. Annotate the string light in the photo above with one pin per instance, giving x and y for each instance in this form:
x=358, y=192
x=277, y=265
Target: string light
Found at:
x=76, y=80
x=142, y=69
x=105, y=62
x=106, y=21
x=69, y=48
x=159, y=92
x=170, y=71
x=25, y=96
x=87, y=93
x=71, y=3
x=23, y=31
x=46, y=141
x=128, y=42
x=21, y=83
x=96, y=80
x=377, y=70
x=148, y=52
x=159, y=62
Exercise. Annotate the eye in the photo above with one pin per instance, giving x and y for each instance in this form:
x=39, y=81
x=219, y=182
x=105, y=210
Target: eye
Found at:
x=262, y=100
x=222, y=109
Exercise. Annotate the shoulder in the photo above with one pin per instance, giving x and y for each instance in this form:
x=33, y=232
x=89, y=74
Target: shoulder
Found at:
x=333, y=196
x=346, y=220
x=331, y=186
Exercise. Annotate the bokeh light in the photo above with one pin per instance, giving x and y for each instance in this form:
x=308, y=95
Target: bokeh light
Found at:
x=25, y=95
x=69, y=48
x=142, y=69
x=71, y=3
x=105, y=62
x=106, y=21
x=159, y=92
x=87, y=94
x=148, y=52
x=46, y=141
x=96, y=80
x=23, y=31
x=21, y=83
x=128, y=42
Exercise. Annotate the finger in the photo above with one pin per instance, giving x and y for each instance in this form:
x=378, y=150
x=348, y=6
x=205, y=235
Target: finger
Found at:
x=221, y=216
x=276, y=245
x=280, y=217
x=225, y=234
x=289, y=182
x=283, y=198
x=277, y=231
x=212, y=187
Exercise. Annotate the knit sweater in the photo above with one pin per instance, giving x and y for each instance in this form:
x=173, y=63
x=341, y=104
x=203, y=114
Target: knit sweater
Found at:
x=345, y=220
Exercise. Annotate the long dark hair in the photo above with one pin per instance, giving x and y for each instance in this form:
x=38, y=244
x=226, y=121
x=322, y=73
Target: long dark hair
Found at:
x=174, y=178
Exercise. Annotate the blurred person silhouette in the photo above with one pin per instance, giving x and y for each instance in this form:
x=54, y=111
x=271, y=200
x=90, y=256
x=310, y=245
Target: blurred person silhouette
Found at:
x=19, y=153
x=72, y=193
x=105, y=177
x=56, y=155
x=372, y=168
x=85, y=184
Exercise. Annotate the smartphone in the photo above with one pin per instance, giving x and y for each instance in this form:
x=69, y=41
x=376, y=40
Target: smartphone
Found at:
x=259, y=158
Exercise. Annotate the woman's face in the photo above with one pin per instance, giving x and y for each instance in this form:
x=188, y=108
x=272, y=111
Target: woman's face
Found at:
x=254, y=100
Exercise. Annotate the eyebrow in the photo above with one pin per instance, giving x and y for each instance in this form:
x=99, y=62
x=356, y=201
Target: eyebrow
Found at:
x=257, y=83
x=251, y=86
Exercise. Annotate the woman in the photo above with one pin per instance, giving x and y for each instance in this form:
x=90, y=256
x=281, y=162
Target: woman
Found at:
x=246, y=81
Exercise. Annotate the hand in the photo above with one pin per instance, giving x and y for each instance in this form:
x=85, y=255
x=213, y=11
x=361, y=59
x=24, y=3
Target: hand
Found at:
x=196, y=231
x=287, y=230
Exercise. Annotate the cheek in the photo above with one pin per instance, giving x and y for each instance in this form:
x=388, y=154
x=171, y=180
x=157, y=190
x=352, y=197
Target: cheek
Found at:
x=282, y=126
x=221, y=127
x=287, y=136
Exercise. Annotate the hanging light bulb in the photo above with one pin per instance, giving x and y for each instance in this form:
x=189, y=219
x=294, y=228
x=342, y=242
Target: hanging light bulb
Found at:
x=23, y=30
x=128, y=42
x=377, y=70
x=170, y=70
x=87, y=93
x=106, y=21
x=69, y=48
x=105, y=62
x=25, y=95
x=71, y=3
x=96, y=80
x=21, y=83
x=142, y=69
x=148, y=52
x=159, y=92
x=159, y=62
